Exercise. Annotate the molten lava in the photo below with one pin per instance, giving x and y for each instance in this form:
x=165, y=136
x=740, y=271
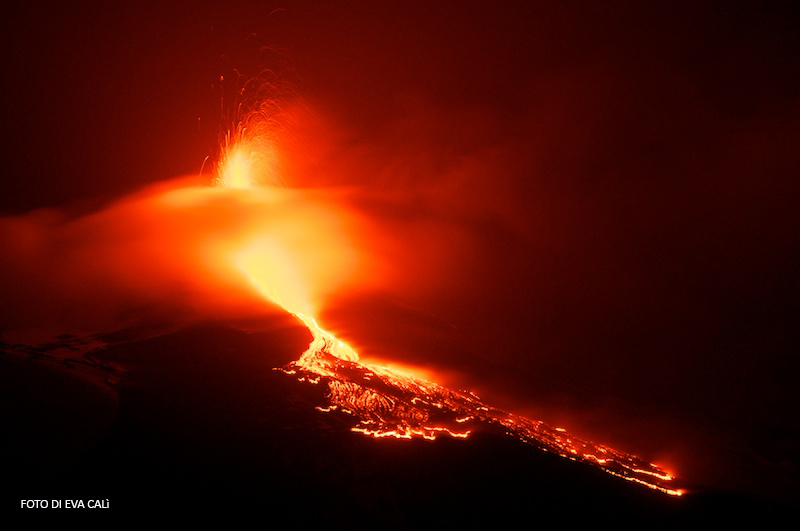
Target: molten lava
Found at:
x=385, y=401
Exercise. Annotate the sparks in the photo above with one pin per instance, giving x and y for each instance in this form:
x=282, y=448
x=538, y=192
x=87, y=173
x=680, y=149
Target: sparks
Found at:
x=237, y=172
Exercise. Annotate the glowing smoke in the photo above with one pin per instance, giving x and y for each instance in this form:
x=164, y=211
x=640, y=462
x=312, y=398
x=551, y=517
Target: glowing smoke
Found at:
x=165, y=250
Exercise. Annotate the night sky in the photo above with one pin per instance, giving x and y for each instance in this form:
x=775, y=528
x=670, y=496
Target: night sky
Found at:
x=591, y=206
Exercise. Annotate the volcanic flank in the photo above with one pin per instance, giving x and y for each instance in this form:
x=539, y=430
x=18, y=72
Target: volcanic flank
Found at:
x=168, y=420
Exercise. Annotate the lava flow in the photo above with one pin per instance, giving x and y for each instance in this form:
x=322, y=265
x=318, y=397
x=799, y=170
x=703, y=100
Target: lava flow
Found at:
x=388, y=402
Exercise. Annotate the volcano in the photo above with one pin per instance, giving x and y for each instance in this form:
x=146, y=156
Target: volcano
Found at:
x=466, y=263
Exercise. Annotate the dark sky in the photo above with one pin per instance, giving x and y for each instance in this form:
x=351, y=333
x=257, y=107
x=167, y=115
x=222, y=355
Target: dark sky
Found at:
x=619, y=179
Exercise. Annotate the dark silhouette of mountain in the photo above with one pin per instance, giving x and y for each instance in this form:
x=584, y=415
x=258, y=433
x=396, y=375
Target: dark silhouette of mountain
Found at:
x=195, y=420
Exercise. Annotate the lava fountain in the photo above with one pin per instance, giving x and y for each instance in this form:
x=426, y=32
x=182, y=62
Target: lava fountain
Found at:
x=385, y=401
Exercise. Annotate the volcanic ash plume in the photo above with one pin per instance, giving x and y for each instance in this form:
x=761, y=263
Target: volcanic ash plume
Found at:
x=167, y=250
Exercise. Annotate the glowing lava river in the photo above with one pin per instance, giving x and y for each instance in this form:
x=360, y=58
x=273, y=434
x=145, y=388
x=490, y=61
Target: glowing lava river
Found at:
x=387, y=402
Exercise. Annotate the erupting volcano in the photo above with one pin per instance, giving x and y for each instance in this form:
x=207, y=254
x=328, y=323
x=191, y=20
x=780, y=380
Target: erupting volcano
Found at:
x=400, y=264
x=386, y=401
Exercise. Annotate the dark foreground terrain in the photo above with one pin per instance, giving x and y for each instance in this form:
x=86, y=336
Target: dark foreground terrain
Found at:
x=195, y=421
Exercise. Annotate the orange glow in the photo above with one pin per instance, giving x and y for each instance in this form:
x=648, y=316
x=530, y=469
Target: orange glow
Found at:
x=249, y=163
x=236, y=170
